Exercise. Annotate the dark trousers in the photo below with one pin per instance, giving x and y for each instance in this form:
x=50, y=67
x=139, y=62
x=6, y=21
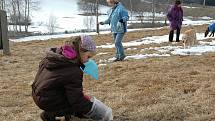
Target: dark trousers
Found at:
x=171, y=35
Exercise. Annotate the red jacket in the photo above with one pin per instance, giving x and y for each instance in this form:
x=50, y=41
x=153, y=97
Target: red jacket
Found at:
x=58, y=85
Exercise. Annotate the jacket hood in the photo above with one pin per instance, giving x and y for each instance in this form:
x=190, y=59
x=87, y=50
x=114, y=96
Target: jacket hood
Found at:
x=57, y=60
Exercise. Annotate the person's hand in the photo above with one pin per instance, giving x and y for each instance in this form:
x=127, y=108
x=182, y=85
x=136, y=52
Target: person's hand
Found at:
x=101, y=23
x=121, y=20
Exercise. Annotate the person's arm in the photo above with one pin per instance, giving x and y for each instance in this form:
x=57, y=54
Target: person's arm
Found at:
x=106, y=21
x=124, y=14
x=74, y=92
x=182, y=19
x=169, y=14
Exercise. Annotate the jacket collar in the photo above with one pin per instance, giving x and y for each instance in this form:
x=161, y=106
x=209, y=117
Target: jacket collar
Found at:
x=115, y=5
x=55, y=60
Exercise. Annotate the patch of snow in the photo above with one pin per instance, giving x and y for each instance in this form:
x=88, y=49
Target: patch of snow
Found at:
x=102, y=54
x=142, y=56
x=212, y=43
x=189, y=7
x=198, y=50
x=131, y=48
x=147, y=40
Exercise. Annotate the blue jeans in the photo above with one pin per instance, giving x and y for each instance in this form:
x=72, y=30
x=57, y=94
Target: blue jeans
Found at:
x=118, y=44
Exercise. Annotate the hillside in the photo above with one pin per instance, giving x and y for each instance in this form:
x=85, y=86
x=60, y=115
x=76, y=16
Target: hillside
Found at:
x=172, y=88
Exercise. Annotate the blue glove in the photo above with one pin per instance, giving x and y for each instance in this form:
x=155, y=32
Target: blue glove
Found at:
x=121, y=20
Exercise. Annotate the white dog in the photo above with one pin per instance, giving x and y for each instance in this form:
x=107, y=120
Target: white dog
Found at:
x=189, y=38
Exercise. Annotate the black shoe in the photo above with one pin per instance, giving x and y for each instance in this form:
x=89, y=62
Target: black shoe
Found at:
x=117, y=60
x=45, y=117
x=67, y=118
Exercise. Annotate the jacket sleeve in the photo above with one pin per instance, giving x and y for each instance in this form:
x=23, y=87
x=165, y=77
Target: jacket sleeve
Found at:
x=169, y=14
x=107, y=21
x=182, y=19
x=124, y=14
x=74, y=93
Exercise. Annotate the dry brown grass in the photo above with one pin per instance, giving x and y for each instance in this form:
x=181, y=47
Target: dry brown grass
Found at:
x=176, y=88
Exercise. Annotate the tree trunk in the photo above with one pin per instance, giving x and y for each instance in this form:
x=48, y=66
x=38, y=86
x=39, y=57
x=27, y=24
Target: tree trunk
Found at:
x=131, y=9
x=97, y=17
x=27, y=12
x=153, y=12
x=14, y=18
x=204, y=3
x=19, y=15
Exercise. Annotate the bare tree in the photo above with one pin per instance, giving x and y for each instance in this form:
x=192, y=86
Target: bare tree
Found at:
x=27, y=15
x=18, y=4
x=2, y=3
x=19, y=12
x=13, y=15
x=140, y=10
x=153, y=12
x=89, y=22
x=91, y=10
x=52, y=24
x=131, y=9
x=97, y=16
x=89, y=7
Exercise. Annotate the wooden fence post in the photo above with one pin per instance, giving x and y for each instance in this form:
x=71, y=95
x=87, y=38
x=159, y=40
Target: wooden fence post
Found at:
x=4, y=41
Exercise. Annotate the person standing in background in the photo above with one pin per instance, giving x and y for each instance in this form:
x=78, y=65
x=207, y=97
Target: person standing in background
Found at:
x=118, y=21
x=175, y=17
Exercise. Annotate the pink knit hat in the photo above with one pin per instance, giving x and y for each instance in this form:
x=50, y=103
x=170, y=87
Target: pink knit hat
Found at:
x=87, y=43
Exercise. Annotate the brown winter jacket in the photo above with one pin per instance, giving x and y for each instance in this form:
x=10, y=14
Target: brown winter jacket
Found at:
x=58, y=85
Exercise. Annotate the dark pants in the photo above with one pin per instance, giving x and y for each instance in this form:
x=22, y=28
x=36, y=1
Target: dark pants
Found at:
x=171, y=35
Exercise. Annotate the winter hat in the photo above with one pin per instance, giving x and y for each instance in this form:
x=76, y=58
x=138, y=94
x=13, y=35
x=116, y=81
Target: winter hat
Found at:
x=178, y=2
x=87, y=43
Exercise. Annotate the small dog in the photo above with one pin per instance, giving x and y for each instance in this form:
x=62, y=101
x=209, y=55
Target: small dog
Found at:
x=211, y=28
x=189, y=38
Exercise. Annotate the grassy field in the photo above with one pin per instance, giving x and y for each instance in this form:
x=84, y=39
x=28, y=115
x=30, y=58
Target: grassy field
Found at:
x=175, y=88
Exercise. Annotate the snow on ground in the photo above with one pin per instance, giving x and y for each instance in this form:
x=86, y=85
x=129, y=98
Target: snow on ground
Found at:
x=164, y=51
x=189, y=7
x=142, y=56
x=149, y=40
x=197, y=22
x=47, y=37
x=198, y=50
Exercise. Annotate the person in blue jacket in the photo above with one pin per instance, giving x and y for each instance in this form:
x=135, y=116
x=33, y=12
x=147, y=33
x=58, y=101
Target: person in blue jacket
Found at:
x=118, y=20
x=211, y=28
